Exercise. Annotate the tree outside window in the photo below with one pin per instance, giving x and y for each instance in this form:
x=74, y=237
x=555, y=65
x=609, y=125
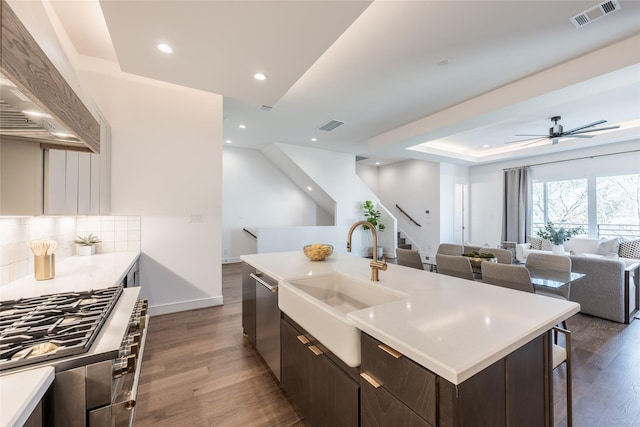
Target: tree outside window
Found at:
x=566, y=202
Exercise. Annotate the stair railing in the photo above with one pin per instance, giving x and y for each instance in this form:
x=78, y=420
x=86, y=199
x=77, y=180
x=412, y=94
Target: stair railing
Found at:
x=408, y=216
x=252, y=235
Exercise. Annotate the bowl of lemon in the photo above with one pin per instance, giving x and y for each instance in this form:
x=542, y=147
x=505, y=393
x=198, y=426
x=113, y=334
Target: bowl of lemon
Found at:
x=317, y=251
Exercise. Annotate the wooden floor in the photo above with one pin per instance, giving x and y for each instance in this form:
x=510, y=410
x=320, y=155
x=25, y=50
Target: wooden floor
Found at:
x=198, y=370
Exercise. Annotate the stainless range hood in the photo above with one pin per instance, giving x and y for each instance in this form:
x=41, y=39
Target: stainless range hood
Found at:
x=36, y=102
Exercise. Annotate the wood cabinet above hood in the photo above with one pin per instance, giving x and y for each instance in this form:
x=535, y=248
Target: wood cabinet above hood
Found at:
x=29, y=81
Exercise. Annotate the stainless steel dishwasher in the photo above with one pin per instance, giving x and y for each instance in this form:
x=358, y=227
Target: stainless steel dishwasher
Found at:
x=268, y=321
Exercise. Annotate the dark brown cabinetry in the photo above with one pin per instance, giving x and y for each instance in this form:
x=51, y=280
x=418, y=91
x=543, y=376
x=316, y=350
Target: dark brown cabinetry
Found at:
x=395, y=388
x=325, y=393
x=514, y=391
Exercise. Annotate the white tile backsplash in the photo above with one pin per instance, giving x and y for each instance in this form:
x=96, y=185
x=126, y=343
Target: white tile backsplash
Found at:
x=118, y=233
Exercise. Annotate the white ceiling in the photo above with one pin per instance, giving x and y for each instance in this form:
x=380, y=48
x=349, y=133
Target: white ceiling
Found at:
x=375, y=66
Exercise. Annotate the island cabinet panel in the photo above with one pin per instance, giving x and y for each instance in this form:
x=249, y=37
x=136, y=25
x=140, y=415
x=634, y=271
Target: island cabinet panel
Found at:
x=410, y=383
x=478, y=401
x=380, y=408
x=324, y=393
x=512, y=392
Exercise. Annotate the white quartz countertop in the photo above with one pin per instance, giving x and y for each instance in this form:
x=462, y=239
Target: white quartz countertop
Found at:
x=74, y=274
x=453, y=327
x=20, y=393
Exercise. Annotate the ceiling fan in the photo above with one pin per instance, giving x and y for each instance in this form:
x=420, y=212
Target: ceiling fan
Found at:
x=556, y=132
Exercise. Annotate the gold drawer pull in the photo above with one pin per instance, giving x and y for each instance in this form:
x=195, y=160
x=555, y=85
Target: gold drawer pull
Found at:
x=390, y=351
x=315, y=350
x=368, y=378
x=303, y=339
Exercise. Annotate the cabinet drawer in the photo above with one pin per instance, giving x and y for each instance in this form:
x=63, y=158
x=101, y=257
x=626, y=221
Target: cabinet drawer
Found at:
x=409, y=382
x=381, y=409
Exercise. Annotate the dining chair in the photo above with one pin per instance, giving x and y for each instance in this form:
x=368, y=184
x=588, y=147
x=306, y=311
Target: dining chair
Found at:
x=517, y=277
x=409, y=258
x=561, y=263
x=450, y=249
x=504, y=256
x=454, y=265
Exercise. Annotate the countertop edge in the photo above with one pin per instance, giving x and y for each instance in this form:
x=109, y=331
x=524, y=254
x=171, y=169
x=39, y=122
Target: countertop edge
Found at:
x=40, y=380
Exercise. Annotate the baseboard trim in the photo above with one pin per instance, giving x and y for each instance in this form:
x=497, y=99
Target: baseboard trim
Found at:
x=155, y=310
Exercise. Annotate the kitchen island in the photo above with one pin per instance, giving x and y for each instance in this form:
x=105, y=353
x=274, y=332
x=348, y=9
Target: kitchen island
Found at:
x=461, y=331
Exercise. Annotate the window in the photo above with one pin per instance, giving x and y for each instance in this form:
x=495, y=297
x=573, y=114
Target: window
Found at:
x=605, y=207
x=618, y=205
x=562, y=202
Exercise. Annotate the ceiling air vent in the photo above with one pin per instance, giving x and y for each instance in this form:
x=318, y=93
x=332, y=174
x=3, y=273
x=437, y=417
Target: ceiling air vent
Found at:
x=595, y=13
x=331, y=125
x=265, y=108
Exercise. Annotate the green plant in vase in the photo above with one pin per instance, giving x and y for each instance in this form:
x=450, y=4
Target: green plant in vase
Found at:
x=558, y=235
x=86, y=244
x=372, y=215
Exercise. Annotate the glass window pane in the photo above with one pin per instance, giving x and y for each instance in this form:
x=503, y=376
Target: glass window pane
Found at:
x=618, y=206
x=564, y=202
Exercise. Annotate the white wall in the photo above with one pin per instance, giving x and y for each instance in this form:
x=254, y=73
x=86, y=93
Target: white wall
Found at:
x=486, y=181
x=257, y=194
x=167, y=168
x=414, y=185
x=335, y=174
x=368, y=175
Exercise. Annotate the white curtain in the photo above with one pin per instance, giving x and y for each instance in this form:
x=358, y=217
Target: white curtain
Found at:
x=515, y=226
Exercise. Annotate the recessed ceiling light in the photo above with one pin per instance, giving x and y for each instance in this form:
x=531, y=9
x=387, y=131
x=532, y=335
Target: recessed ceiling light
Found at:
x=242, y=126
x=228, y=141
x=377, y=163
x=314, y=139
x=164, y=48
x=485, y=146
x=309, y=188
x=260, y=76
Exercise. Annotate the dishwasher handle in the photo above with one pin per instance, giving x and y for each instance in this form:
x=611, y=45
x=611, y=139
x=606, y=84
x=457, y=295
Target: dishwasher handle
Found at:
x=263, y=283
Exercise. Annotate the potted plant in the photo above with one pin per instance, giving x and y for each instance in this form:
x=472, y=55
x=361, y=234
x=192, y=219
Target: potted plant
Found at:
x=558, y=236
x=372, y=215
x=86, y=244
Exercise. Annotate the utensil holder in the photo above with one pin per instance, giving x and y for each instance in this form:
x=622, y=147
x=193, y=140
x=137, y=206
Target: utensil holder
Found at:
x=45, y=266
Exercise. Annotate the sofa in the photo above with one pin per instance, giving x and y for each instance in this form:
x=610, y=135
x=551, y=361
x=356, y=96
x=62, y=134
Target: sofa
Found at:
x=609, y=289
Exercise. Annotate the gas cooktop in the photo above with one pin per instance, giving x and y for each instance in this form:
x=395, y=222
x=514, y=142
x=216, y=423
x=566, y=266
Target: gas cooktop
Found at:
x=39, y=329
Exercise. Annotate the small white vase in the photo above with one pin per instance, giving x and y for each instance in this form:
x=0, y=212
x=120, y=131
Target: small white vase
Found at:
x=557, y=250
x=85, y=250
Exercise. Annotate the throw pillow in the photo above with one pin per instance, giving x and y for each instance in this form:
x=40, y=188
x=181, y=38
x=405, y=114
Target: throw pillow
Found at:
x=629, y=249
x=536, y=242
x=610, y=246
x=547, y=245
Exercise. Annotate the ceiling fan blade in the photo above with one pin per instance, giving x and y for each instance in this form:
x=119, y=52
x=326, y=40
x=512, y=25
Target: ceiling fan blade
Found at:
x=528, y=134
x=591, y=130
x=576, y=136
x=535, y=140
x=599, y=122
x=528, y=139
x=520, y=140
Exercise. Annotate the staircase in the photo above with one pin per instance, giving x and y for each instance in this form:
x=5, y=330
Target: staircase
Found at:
x=402, y=242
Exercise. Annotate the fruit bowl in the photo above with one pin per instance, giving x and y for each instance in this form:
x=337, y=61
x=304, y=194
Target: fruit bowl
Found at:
x=317, y=251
